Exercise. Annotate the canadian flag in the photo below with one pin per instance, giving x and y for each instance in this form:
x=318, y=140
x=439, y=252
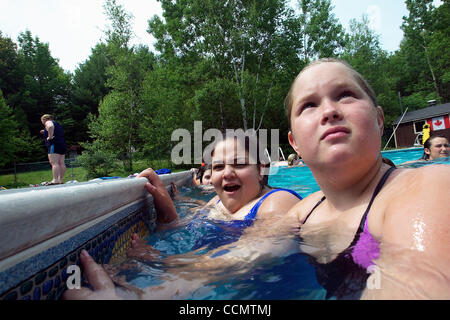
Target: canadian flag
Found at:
x=439, y=123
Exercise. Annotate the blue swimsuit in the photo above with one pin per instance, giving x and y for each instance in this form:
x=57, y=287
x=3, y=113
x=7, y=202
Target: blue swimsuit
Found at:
x=57, y=144
x=219, y=232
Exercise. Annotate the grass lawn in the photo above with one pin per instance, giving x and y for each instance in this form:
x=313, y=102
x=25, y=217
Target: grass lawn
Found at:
x=24, y=179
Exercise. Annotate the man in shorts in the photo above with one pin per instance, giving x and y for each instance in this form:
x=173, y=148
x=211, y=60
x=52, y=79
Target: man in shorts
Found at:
x=56, y=145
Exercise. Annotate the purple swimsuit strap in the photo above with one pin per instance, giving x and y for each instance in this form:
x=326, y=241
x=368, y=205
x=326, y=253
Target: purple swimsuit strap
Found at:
x=364, y=248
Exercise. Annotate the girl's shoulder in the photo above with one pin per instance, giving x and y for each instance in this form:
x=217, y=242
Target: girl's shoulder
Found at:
x=413, y=190
x=422, y=179
x=416, y=211
x=278, y=201
x=304, y=207
x=213, y=201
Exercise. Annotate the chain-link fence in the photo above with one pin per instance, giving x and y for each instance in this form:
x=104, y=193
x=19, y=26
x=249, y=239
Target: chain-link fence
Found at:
x=18, y=168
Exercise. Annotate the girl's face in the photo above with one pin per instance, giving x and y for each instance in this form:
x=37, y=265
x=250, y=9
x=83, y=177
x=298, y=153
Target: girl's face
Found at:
x=206, y=179
x=333, y=119
x=439, y=148
x=235, y=179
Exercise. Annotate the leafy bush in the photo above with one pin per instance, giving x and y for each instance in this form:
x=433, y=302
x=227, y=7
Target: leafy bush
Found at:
x=96, y=161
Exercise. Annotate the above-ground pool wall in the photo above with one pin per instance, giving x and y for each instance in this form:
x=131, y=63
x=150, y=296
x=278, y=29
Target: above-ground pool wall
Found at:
x=44, y=229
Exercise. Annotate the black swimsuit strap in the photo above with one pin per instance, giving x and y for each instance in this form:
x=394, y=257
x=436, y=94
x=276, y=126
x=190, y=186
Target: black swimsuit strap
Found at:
x=375, y=193
x=317, y=204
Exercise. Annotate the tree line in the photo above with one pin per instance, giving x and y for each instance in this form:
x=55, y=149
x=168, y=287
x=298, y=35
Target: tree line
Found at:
x=226, y=63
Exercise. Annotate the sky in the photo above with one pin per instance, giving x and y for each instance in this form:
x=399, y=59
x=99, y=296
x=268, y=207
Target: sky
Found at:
x=73, y=27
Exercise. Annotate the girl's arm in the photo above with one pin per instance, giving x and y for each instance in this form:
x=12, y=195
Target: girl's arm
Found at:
x=164, y=206
x=414, y=260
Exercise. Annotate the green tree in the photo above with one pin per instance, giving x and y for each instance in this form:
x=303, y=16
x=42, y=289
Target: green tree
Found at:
x=438, y=49
x=166, y=91
x=89, y=88
x=419, y=73
x=323, y=35
x=117, y=124
x=16, y=144
x=363, y=51
x=247, y=43
x=8, y=133
x=12, y=78
x=45, y=84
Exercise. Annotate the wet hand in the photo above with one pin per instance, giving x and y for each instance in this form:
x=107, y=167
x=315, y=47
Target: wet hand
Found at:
x=175, y=191
x=142, y=251
x=164, y=206
x=154, y=183
x=97, y=277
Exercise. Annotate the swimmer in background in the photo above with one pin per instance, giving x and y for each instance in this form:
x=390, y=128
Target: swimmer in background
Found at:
x=199, y=174
x=244, y=205
x=205, y=186
x=294, y=161
x=206, y=178
x=435, y=147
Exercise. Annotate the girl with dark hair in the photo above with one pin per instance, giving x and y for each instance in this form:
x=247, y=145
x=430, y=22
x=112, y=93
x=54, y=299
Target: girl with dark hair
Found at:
x=244, y=203
x=436, y=147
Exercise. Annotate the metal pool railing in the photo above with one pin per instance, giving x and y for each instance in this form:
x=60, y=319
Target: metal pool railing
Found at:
x=44, y=229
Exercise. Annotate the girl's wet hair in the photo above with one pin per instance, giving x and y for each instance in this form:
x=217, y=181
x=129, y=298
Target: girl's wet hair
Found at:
x=288, y=101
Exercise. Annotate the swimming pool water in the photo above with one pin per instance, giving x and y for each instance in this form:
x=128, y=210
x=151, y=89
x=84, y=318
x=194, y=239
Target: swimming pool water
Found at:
x=301, y=180
x=289, y=277
x=400, y=156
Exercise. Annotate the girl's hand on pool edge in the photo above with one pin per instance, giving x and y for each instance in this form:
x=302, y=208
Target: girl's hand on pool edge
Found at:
x=104, y=288
x=164, y=206
x=154, y=182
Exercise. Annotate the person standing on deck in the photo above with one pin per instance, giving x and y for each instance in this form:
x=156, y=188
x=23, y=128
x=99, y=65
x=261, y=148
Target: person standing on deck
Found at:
x=56, y=147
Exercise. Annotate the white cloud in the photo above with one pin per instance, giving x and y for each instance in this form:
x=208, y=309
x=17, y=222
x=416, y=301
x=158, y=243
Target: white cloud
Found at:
x=374, y=15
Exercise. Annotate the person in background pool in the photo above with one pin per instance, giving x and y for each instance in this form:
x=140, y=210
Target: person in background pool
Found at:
x=205, y=186
x=198, y=173
x=373, y=231
x=244, y=204
x=435, y=147
x=294, y=161
x=206, y=178
x=202, y=175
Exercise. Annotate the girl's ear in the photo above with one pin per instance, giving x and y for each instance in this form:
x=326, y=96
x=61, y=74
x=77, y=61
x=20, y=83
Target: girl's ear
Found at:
x=292, y=141
x=380, y=119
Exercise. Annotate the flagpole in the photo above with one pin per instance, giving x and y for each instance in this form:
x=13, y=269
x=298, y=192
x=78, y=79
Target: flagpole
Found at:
x=395, y=129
